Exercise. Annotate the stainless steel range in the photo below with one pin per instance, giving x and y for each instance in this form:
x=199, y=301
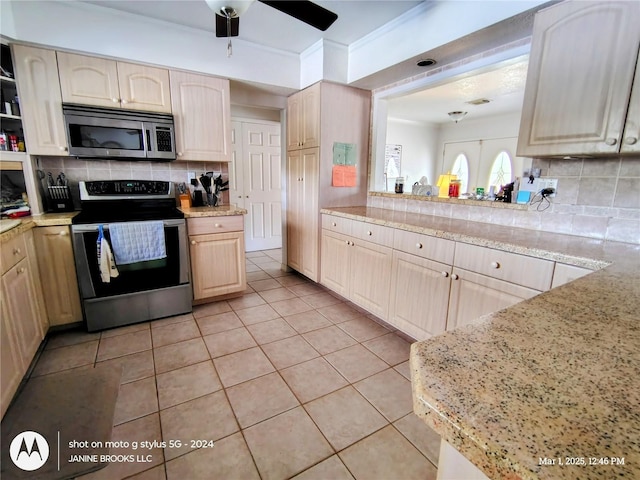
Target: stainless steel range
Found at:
x=131, y=252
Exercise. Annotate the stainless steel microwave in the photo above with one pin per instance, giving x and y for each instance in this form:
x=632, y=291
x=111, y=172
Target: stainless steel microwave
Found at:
x=119, y=134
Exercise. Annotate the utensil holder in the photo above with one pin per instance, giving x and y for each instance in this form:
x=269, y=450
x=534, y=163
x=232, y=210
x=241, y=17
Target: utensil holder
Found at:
x=60, y=199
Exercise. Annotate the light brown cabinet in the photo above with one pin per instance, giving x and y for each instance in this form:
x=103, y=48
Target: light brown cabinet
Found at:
x=107, y=83
x=303, y=119
x=58, y=274
x=201, y=108
x=580, y=90
x=218, y=265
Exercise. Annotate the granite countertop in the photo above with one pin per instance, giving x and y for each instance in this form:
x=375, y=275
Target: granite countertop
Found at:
x=221, y=211
x=555, y=376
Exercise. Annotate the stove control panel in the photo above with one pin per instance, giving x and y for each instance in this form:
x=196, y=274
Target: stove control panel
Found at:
x=114, y=189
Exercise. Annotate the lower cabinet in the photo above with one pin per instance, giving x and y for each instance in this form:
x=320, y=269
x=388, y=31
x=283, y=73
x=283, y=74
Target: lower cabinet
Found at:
x=357, y=270
x=473, y=295
x=58, y=275
x=218, y=265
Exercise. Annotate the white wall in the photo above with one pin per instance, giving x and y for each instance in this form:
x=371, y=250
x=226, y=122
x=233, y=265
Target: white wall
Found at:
x=419, y=149
x=498, y=126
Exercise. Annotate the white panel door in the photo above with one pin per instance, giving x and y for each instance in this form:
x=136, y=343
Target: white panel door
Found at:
x=255, y=182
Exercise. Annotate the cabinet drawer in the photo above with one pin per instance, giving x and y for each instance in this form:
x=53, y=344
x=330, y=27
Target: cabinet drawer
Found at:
x=337, y=224
x=223, y=224
x=373, y=233
x=511, y=267
x=13, y=251
x=425, y=246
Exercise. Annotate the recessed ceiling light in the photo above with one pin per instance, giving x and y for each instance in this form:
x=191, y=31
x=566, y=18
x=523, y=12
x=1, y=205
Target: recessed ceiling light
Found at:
x=426, y=62
x=479, y=101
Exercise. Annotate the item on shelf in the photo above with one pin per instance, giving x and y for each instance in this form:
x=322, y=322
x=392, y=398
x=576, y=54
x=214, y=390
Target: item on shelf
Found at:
x=399, y=184
x=3, y=141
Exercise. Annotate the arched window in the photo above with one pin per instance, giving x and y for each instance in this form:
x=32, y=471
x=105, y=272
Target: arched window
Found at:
x=501, y=172
x=461, y=170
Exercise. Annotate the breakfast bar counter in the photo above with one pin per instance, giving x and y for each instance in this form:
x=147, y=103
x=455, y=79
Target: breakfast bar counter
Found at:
x=548, y=388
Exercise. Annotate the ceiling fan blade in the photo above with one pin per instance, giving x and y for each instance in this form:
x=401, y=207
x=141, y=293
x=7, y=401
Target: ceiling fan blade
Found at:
x=305, y=11
x=221, y=26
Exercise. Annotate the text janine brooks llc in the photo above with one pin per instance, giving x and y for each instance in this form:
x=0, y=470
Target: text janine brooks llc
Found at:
x=94, y=458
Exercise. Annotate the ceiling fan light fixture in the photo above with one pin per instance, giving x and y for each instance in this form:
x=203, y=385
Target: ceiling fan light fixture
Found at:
x=233, y=8
x=426, y=62
x=457, y=115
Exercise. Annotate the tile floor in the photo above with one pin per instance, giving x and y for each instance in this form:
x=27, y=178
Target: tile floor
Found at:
x=288, y=380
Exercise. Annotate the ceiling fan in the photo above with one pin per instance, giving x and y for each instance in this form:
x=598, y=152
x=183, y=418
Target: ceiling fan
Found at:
x=228, y=14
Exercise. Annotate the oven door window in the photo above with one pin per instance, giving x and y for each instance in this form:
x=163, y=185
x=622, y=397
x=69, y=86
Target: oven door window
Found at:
x=135, y=277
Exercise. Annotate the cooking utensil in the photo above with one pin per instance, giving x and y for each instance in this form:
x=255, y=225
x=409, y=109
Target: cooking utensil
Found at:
x=50, y=181
x=205, y=181
x=61, y=181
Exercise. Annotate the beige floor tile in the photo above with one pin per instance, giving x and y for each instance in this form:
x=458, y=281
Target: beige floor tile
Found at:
x=312, y=379
x=258, y=314
x=135, y=400
x=275, y=253
x=275, y=271
x=242, y=366
x=307, y=321
x=174, y=333
x=289, y=351
x=363, y=328
x=261, y=285
x=127, y=344
x=220, y=322
x=257, y=275
x=256, y=254
x=344, y=417
x=290, y=280
x=68, y=338
x=178, y=355
x=231, y=341
x=319, y=300
x=64, y=358
x=286, y=444
x=271, y=331
x=404, y=369
x=340, y=312
x=246, y=301
x=391, y=348
x=261, y=260
x=209, y=309
x=389, y=392
x=252, y=267
x=356, y=363
x=261, y=398
x=277, y=294
x=156, y=473
x=171, y=320
x=205, y=418
x=331, y=468
x=228, y=459
x=140, y=430
x=291, y=306
x=329, y=339
x=187, y=383
x=422, y=436
x=114, y=332
x=134, y=367
x=307, y=288
x=387, y=454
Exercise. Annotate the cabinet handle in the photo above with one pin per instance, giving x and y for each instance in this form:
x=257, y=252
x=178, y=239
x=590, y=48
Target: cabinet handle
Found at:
x=239, y=196
x=62, y=149
x=115, y=100
x=17, y=251
x=63, y=233
x=495, y=265
x=418, y=245
x=454, y=276
x=347, y=242
x=179, y=154
x=217, y=225
x=333, y=224
x=21, y=270
x=445, y=274
x=193, y=242
x=611, y=141
x=124, y=102
x=369, y=232
x=630, y=140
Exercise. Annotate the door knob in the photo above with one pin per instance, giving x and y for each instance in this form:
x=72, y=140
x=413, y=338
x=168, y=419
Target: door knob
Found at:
x=611, y=141
x=454, y=276
x=630, y=140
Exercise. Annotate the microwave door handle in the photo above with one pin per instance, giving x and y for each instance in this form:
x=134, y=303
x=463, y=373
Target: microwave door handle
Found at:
x=146, y=139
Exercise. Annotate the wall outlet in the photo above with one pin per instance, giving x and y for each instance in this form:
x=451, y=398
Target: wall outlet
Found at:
x=190, y=176
x=548, y=183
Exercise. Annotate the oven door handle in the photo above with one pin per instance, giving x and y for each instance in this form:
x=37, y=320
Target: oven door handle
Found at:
x=93, y=227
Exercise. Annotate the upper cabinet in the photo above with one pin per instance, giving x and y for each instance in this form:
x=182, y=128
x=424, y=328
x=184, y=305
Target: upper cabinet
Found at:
x=41, y=108
x=202, y=114
x=107, y=83
x=581, y=97
x=303, y=119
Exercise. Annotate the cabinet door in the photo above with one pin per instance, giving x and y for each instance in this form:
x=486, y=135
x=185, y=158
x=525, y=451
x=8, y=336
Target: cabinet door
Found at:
x=473, y=295
x=11, y=364
x=294, y=119
x=38, y=84
x=310, y=121
x=217, y=264
x=419, y=295
x=88, y=80
x=370, y=277
x=335, y=262
x=202, y=116
x=58, y=275
x=631, y=136
x=581, y=65
x=144, y=88
x=293, y=210
x=309, y=217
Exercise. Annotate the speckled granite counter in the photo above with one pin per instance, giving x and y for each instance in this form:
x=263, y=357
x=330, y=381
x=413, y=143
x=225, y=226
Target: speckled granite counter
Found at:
x=552, y=377
x=221, y=211
x=44, y=220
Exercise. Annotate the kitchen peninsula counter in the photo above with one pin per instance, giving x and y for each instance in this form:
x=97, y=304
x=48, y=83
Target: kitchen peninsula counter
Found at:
x=553, y=379
x=221, y=211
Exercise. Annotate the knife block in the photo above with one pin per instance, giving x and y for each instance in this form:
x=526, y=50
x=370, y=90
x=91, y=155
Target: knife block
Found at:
x=59, y=199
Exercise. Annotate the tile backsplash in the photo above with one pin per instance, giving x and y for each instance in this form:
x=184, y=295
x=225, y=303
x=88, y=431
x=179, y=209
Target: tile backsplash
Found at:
x=597, y=198
x=76, y=170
